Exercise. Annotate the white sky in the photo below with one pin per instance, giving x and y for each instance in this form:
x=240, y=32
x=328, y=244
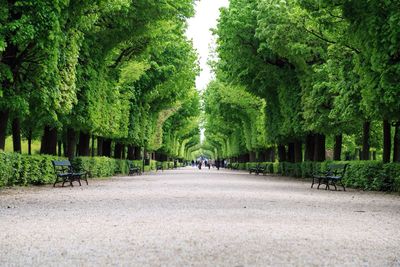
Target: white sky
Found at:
x=207, y=13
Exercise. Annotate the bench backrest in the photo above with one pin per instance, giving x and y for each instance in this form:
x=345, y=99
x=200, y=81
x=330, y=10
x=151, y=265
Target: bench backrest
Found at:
x=337, y=169
x=62, y=166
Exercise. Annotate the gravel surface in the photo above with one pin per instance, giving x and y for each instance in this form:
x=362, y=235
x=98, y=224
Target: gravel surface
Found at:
x=190, y=217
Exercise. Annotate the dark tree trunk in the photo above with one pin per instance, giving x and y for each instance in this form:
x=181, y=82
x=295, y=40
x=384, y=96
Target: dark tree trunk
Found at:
x=291, y=152
x=262, y=156
x=319, y=149
x=49, y=141
x=118, y=151
x=386, y=141
x=282, y=153
x=366, y=141
x=29, y=137
x=107, y=147
x=252, y=156
x=270, y=155
x=3, y=128
x=131, y=152
x=71, y=143
x=337, y=152
x=138, y=155
x=92, y=154
x=123, y=152
x=84, y=144
x=309, y=147
x=298, y=151
x=100, y=142
x=16, y=135
x=396, y=143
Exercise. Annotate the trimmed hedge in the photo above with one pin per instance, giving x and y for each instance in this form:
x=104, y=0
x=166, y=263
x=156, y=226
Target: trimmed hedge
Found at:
x=17, y=169
x=366, y=175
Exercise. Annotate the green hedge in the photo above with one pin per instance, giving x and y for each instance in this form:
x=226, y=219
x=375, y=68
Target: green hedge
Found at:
x=366, y=175
x=17, y=169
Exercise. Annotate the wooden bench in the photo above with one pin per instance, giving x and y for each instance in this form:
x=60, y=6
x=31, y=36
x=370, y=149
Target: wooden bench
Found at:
x=269, y=169
x=64, y=171
x=159, y=166
x=257, y=169
x=332, y=176
x=134, y=169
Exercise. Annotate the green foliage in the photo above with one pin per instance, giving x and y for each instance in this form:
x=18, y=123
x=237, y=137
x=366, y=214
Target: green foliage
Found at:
x=17, y=169
x=365, y=175
x=116, y=69
x=234, y=119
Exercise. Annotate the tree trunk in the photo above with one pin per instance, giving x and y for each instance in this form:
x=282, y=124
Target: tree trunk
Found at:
x=29, y=137
x=269, y=155
x=309, y=147
x=282, y=153
x=71, y=143
x=396, y=143
x=298, y=151
x=131, y=152
x=92, y=146
x=252, y=156
x=291, y=152
x=107, y=147
x=366, y=141
x=16, y=135
x=84, y=144
x=386, y=141
x=319, y=149
x=123, y=151
x=49, y=141
x=338, y=147
x=138, y=155
x=118, y=151
x=59, y=148
x=272, y=154
x=100, y=142
x=3, y=128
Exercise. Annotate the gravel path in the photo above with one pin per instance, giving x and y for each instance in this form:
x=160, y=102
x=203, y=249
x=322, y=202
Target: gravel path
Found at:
x=198, y=218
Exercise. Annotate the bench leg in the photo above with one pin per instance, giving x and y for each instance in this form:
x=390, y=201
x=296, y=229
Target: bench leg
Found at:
x=64, y=181
x=327, y=185
x=334, y=184
x=85, y=178
x=319, y=182
x=341, y=183
x=54, y=185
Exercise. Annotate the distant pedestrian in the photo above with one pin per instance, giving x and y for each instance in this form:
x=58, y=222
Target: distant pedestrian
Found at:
x=217, y=163
x=200, y=163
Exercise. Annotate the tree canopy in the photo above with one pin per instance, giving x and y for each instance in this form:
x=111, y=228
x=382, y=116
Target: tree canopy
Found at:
x=323, y=69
